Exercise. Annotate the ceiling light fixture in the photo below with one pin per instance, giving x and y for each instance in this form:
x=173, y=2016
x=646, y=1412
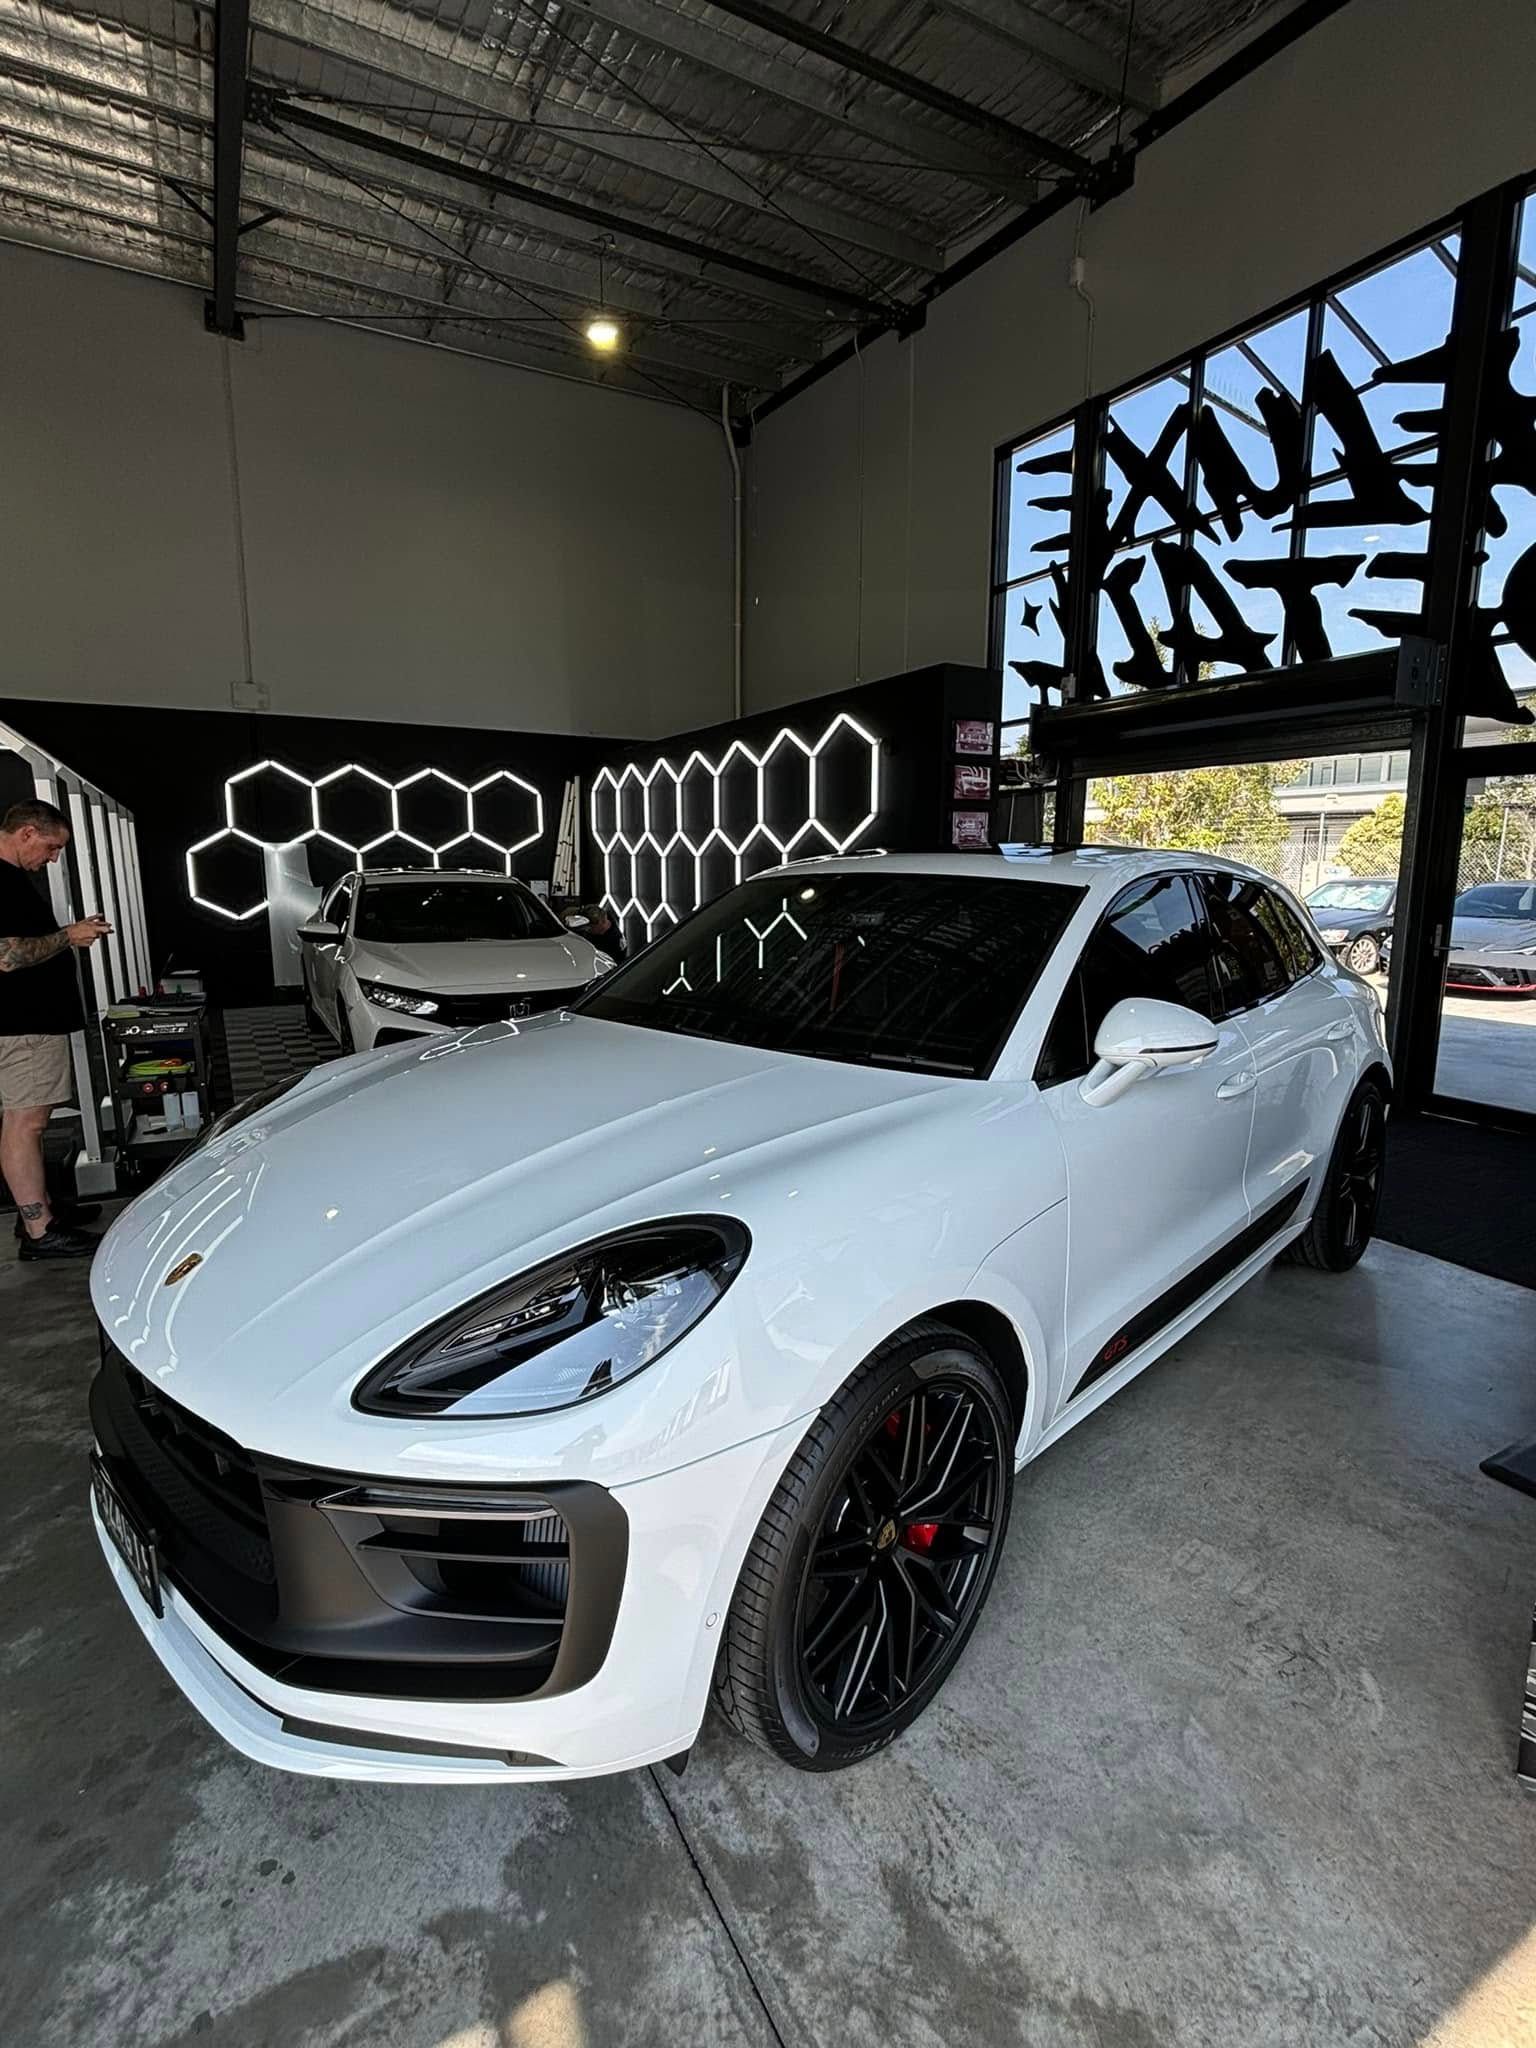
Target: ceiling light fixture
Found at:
x=602, y=330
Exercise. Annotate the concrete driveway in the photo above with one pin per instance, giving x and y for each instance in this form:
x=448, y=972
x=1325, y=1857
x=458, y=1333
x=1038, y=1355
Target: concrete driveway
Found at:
x=1229, y=1761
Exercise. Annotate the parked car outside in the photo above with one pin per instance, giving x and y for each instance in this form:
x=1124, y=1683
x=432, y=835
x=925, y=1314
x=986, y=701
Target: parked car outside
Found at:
x=1493, y=941
x=476, y=1409
x=402, y=953
x=1355, y=918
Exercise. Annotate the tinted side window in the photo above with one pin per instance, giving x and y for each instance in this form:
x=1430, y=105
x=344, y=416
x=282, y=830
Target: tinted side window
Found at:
x=1250, y=964
x=1151, y=942
x=1296, y=947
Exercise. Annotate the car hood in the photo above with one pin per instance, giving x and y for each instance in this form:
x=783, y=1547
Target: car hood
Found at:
x=1493, y=934
x=479, y=966
x=384, y=1190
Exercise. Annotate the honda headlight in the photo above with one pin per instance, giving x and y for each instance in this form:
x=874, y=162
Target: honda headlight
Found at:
x=571, y=1329
x=1332, y=934
x=406, y=1000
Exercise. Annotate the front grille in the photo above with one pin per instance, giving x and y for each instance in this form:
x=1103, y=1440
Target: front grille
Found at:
x=198, y=1491
x=1472, y=974
x=461, y=1010
x=364, y=1586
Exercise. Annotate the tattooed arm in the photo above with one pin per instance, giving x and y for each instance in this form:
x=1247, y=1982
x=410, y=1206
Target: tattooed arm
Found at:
x=16, y=953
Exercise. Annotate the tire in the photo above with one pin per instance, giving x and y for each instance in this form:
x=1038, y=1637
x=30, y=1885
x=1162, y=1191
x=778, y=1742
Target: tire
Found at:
x=1345, y=1215
x=1363, y=955
x=783, y=1679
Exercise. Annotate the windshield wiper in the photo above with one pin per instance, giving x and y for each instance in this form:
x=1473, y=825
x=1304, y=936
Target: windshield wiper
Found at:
x=918, y=1059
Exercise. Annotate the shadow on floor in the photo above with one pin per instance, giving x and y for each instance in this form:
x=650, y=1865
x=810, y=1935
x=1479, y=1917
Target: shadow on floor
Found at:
x=1462, y=1193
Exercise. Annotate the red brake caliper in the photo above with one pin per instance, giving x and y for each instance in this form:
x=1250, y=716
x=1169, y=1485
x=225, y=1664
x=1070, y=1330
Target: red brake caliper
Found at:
x=917, y=1535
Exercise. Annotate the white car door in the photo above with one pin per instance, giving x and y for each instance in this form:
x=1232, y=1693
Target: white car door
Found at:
x=1155, y=1179
x=1300, y=1026
x=323, y=959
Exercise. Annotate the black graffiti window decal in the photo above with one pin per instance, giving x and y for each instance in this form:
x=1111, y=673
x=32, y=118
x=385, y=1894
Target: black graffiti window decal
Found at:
x=1502, y=683
x=1031, y=624
x=1265, y=503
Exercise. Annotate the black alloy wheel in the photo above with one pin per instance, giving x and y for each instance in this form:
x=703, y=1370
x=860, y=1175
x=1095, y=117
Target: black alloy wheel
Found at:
x=875, y=1557
x=1345, y=1217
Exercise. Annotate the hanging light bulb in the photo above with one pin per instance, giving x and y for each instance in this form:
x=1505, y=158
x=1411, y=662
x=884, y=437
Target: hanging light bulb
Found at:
x=602, y=330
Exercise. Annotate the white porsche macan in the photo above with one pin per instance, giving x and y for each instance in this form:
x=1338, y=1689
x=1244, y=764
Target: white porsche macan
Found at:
x=398, y=953
x=474, y=1409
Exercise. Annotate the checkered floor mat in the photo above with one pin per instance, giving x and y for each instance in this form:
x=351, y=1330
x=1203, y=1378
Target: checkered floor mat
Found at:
x=267, y=1044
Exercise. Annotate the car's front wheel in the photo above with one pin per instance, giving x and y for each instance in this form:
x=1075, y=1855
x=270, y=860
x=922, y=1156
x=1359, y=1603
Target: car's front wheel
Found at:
x=875, y=1555
x=1363, y=954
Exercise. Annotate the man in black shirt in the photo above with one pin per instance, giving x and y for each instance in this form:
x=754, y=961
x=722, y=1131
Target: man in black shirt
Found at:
x=604, y=933
x=39, y=1007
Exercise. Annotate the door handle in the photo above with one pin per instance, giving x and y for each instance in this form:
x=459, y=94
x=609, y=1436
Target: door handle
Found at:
x=1342, y=1029
x=1238, y=1084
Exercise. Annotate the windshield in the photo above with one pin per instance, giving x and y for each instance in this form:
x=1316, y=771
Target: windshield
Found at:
x=1510, y=899
x=440, y=911
x=1351, y=896
x=878, y=967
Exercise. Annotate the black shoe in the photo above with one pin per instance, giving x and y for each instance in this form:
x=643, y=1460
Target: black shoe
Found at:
x=70, y=1214
x=59, y=1241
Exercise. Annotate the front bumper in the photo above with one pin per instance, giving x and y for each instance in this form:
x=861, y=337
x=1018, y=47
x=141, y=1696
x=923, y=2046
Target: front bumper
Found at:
x=310, y=1690
x=1492, y=974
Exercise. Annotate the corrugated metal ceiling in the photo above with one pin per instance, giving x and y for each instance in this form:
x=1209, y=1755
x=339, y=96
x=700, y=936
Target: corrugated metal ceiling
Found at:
x=712, y=136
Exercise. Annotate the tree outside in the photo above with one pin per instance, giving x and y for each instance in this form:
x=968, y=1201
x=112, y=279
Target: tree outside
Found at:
x=1196, y=810
x=1373, y=845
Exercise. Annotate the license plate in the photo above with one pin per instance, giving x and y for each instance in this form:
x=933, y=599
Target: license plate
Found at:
x=134, y=1545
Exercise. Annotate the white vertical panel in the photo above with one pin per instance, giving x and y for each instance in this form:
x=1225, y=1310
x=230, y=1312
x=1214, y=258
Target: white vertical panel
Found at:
x=90, y=894
x=111, y=906
x=136, y=887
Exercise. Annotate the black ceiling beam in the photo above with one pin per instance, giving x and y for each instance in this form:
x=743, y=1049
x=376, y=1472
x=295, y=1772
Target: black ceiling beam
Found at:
x=275, y=112
x=1026, y=140
x=231, y=37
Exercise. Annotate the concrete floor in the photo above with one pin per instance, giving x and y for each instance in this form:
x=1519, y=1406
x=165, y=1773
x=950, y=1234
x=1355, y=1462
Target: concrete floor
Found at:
x=1488, y=1050
x=1229, y=1761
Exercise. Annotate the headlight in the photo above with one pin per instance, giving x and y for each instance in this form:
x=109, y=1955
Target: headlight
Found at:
x=398, y=999
x=1332, y=934
x=569, y=1330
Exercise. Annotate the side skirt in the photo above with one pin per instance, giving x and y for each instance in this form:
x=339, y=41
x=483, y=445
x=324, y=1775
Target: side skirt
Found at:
x=1175, y=1312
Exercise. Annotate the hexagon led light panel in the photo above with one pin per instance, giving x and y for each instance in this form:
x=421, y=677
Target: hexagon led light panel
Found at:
x=307, y=796
x=670, y=806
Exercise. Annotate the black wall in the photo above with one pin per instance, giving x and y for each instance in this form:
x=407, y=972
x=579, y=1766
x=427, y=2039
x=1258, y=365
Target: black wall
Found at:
x=170, y=768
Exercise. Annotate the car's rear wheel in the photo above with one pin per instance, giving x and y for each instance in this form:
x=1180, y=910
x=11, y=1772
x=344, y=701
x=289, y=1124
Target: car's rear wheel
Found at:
x=875, y=1556
x=1345, y=1216
x=1363, y=954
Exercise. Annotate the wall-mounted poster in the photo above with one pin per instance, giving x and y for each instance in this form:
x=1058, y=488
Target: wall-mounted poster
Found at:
x=973, y=735
x=969, y=828
x=972, y=782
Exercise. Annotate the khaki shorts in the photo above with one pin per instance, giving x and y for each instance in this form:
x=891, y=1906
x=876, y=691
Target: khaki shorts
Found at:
x=35, y=1071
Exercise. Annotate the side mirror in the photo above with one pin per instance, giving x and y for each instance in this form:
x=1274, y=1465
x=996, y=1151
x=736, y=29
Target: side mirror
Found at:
x=1142, y=1037
x=318, y=932
x=576, y=921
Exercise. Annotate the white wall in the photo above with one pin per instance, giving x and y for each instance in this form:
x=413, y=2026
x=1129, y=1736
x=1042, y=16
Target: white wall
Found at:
x=426, y=537
x=870, y=496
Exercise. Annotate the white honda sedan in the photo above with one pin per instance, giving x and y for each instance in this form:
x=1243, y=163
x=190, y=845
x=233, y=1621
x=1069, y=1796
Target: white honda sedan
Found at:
x=474, y=1410
x=396, y=953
